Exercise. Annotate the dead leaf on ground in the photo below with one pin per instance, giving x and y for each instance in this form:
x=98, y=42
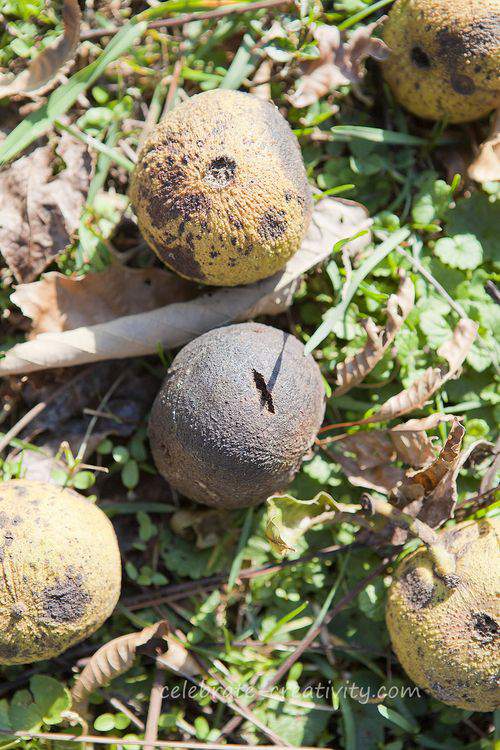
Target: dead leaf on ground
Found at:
x=39, y=212
x=117, y=657
x=40, y=75
x=486, y=165
x=207, y=527
x=339, y=62
x=350, y=373
x=60, y=303
x=177, y=323
x=431, y=493
x=367, y=458
x=454, y=351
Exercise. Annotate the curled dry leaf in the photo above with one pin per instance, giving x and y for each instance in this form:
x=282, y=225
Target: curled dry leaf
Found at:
x=40, y=76
x=176, y=324
x=454, y=351
x=486, y=165
x=431, y=493
x=39, y=212
x=353, y=371
x=117, y=657
x=339, y=62
x=367, y=458
x=60, y=303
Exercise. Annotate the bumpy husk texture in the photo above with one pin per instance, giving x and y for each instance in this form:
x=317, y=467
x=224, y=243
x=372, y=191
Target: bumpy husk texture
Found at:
x=445, y=57
x=220, y=189
x=60, y=568
x=446, y=636
x=238, y=410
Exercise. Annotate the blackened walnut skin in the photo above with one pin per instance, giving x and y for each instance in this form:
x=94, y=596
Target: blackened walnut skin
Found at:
x=239, y=408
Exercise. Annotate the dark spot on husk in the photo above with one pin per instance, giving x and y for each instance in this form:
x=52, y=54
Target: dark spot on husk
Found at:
x=462, y=84
x=485, y=628
x=266, y=397
x=420, y=58
x=66, y=600
x=181, y=258
x=476, y=40
x=7, y=651
x=221, y=172
x=418, y=592
x=272, y=225
x=18, y=610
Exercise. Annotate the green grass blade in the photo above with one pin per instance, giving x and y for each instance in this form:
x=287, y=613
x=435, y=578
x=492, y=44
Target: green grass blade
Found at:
x=238, y=558
x=244, y=63
x=39, y=122
x=284, y=620
x=363, y=14
x=338, y=312
x=375, y=135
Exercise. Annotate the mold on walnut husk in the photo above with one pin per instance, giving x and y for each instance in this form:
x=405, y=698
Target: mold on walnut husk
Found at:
x=61, y=570
x=220, y=189
x=445, y=57
x=239, y=408
x=445, y=631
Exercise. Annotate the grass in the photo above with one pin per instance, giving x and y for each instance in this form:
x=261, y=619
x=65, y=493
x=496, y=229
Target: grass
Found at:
x=247, y=612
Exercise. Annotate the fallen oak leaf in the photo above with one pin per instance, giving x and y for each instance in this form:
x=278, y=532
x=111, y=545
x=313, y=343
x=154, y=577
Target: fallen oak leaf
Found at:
x=176, y=324
x=61, y=303
x=350, y=373
x=118, y=656
x=39, y=212
x=486, y=165
x=339, y=63
x=40, y=75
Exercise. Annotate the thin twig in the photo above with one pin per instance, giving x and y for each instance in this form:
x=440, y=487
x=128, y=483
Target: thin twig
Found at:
x=433, y=282
x=154, y=710
x=311, y=636
x=100, y=740
x=178, y=590
x=162, y=23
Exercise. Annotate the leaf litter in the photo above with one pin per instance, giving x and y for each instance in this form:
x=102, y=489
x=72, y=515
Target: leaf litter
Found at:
x=40, y=210
x=177, y=323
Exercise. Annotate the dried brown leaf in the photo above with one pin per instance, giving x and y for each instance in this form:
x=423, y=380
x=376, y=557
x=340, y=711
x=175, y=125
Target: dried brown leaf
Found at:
x=174, y=325
x=431, y=493
x=353, y=371
x=61, y=303
x=486, y=165
x=39, y=212
x=490, y=479
x=40, y=76
x=117, y=657
x=416, y=396
x=339, y=62
x=367, y=458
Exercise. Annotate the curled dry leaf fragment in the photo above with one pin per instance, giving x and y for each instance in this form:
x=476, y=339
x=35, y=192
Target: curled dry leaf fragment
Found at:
x=353, y=371
x=117, y=657
x=175, y=324
x=41, y=73
x=339, y=62
x=486, y=165
x=60, y=303
x=40, y=212
x=367, y=458
x=454, y=351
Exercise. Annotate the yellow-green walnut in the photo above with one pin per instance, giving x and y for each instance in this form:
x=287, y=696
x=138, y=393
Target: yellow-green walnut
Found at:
x=445, y=57
x=60, y=570
x=445, y=632
x=220, y=189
